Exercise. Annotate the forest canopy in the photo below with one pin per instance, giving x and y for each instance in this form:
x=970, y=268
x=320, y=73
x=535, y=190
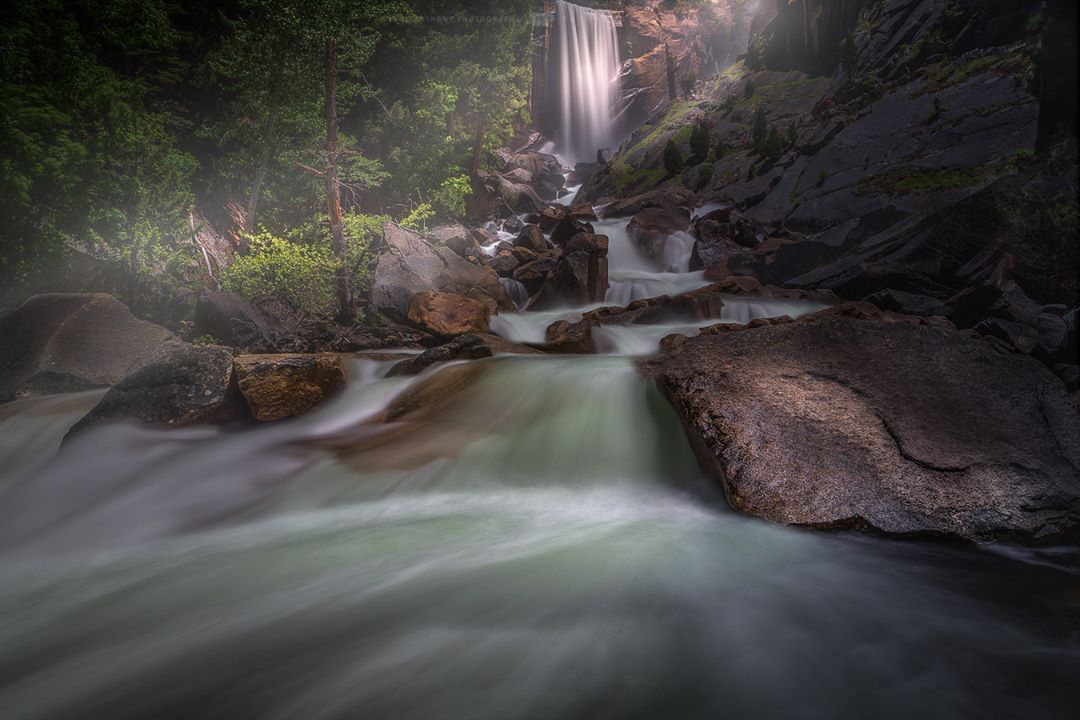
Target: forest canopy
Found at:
x=123, y=121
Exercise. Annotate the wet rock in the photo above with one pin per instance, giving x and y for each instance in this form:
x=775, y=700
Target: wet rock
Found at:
x=580, y=276
x=650, y=228
x=186, y=385
x=550, y=217
x=231, y=320
x=59, y=342
x=408, y=264
x=533, y=273
x=282, y=386
x=532, y=237
x=444, y=314
x=505, y=263
x=669, y=199
x=567, y=228
x=463, y=347
x=893, y=428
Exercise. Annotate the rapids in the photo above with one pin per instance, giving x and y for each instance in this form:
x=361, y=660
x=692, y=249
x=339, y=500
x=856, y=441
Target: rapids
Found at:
x=547, y=547
x=544, y=545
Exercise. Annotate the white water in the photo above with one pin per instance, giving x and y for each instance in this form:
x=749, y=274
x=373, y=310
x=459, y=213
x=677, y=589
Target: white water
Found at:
x=544, y=547
x=588, y=70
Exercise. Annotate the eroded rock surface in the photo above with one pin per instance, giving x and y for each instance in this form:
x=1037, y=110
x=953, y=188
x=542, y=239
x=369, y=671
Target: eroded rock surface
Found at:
x=187, y=385
x=888, y=427
x=281, y=386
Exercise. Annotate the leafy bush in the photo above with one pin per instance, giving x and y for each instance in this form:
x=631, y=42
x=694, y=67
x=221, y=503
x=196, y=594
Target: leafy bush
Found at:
x=689, y=80
x=673, y=159
x=451, y=196
x=748, y=89
x=277, y=270
x=699, y=141
x=418, y=217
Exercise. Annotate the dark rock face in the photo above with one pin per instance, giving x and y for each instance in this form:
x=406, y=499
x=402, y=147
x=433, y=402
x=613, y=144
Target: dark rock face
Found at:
x=893, y=428
x=650, y=228
x=463, y=347
x=532, y=238
x=58, y=343
x=408, y=264
x=188, y=385
x=287, y=385
x=579, y=277
x=231, y=320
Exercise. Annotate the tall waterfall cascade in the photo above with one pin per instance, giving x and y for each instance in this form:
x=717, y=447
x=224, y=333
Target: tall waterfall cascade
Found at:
x=588, y=76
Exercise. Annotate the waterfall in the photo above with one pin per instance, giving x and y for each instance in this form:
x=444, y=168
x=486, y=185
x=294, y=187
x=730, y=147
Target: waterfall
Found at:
x=588, y=70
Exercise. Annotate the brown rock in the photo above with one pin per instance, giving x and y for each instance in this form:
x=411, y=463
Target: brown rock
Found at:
x=281, y=386
x=532, y=238
x=448, y=314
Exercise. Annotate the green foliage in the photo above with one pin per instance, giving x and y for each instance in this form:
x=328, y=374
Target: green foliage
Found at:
x=748, y=89
x=277, y=270
x=909, y=179
x=729, y=104
x=673, y=158
x=689, y=80
x=451, y=196
x=699, y=141
x=418, y=217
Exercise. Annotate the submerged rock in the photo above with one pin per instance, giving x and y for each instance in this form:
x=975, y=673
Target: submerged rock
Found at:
x=888, y=427
x=281, y=386
x=187, y=385
x=60, y=342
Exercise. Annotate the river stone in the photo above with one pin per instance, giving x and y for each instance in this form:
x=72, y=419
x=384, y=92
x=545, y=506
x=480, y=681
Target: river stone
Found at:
x=448, y=314
x=65, y=342
x=408, y=264
x=187, y=385
x=281, y=386
x=893, y=428
x=463, y=347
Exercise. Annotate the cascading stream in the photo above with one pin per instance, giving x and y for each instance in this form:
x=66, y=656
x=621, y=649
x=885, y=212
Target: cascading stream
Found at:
x=543, y=546
x=588, y=70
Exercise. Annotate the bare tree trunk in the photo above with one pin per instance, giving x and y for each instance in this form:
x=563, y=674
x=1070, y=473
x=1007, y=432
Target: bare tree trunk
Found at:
x=333, y=188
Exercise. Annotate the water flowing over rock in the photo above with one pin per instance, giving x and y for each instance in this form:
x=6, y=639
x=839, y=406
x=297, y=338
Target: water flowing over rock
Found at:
x=833, y=422
x=588, y=69
x=61, y=342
